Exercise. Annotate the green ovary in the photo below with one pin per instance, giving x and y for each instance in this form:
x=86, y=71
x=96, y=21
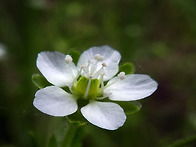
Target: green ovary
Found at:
x=79, y=88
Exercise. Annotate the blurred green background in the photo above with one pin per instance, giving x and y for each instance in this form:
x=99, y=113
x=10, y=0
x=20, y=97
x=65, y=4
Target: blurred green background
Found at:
x=159, y=37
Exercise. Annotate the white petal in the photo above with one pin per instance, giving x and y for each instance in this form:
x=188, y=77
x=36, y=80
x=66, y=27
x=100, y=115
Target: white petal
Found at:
x=105, y=115
x=55, y=101
x=133, y=87
x=54, y=68
x=111, y=58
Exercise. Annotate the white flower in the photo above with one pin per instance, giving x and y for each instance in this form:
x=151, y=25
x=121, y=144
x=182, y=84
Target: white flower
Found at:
x=87, y=81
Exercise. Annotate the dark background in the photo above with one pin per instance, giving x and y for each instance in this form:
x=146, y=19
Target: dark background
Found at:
x=158, y=36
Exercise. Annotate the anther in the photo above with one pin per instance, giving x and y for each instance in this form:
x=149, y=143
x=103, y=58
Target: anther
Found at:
x=68, y=59
x=121, y=75
x=83, y=66
x=98, y=57
x=104, y=64
x=90, y=61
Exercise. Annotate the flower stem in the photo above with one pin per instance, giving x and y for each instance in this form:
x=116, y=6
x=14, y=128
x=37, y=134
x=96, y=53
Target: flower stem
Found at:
x=73, y=135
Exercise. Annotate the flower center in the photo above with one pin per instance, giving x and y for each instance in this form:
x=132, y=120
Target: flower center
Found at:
x=88, y=84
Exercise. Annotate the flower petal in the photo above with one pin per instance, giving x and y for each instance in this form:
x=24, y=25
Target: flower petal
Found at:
x=54, y=101
x=54, y=68
x=132, y=87
x=105, y=115
x=111, y=58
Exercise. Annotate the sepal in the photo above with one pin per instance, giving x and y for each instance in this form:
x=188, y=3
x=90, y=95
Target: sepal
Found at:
x=40, y=81
x=128, y=68
x=130, y=107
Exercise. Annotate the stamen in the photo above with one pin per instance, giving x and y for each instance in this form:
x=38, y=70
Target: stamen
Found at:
x=87, y=68
x=121, y=75
x=83, y=66
x=98, y=72
x=90, y=62
x=68, y=59
x=79, y=73
x=102, y=73
x=92, y=69
x=101, y=79
x=85, y=72
x=88, y=87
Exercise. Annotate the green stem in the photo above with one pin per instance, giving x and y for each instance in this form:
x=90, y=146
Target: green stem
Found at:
x=73, y=134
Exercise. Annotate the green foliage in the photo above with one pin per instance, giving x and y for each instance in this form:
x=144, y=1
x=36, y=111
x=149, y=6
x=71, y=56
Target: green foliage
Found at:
x=128, y=68
x=39, y=81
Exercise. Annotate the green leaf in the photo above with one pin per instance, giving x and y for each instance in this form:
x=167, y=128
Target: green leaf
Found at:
x=52, y=141
x=75, y=55
x=39, y=81
x=130, y=107
x=128, y=68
